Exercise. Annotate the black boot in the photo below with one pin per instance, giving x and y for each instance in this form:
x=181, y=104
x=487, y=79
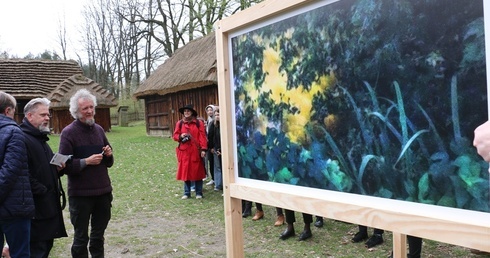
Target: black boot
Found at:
x=289, y=232
x=247, y=209
x=319, y=222
x=361, y=235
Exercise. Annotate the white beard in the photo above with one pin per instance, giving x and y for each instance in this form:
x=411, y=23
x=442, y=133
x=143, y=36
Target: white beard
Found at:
x=44, y=128
x=90, y=121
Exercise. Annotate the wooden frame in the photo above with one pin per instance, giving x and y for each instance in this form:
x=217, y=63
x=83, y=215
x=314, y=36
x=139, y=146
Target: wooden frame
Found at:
x=450, y=225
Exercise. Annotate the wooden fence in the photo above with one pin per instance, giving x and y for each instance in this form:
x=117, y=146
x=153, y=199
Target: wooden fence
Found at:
x=132, y=116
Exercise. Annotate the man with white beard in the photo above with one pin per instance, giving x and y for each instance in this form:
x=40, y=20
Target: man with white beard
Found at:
x=89, y=185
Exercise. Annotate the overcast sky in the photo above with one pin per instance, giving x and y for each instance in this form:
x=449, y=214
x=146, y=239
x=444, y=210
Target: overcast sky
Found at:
x=31, y=26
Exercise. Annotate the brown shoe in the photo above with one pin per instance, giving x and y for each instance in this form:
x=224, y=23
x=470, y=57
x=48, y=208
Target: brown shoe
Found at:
x=279, y=220
x=258, y=215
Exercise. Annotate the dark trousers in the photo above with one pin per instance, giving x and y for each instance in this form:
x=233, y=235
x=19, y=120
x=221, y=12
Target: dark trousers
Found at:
x=247, y=206
x=279, y=211
x=18, y=235
x=414, y=247
x=93, y=210
x=363, y=229
x=41, y=249
x=187, y=187
x=290, y=217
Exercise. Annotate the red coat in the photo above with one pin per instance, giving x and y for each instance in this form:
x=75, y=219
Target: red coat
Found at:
x=190, y=164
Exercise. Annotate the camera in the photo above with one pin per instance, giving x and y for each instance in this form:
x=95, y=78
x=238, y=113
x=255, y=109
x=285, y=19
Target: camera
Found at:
x=185, y=139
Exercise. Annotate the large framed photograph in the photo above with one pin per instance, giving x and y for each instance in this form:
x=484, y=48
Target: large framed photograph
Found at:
x=362, y=100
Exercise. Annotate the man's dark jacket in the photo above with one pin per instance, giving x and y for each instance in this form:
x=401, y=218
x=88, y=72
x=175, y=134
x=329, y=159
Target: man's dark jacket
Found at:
x=48, y=220
x=15, y=191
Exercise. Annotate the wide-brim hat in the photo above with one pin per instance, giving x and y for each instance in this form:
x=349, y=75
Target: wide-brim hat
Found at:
x=190, y=107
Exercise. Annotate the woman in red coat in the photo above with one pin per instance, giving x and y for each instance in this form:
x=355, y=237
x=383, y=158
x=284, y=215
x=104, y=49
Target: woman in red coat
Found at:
x=190, y=132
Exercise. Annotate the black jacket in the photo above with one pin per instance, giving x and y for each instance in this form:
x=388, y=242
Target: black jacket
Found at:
x=214, y=140
x=48, y=220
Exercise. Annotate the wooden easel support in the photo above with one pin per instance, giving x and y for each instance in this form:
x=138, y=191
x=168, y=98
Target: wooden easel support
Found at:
x=399, y=245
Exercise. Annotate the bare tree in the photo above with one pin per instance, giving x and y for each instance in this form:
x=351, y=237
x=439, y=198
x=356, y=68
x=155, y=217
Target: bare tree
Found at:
x=100, y=44
x=62, y=37
x=121, y=37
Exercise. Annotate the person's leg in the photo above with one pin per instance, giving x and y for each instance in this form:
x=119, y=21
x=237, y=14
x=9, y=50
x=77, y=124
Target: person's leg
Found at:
x=205, y=160
x=290, y=219
x=360, y=235
x=279, y=211
x=41, y=249
x=319, y=222
x=247, y=209
x=198, y=185
x=187, y=190
x=211, y=165
x=414, y=247
x=290, y=216
x=80, y=211
x=259, y=214
x=18, y=234
x=218, y=178
x=308, y=219
x=101, y=216
x=363, y=229
x=280, y=217
x=375, y=239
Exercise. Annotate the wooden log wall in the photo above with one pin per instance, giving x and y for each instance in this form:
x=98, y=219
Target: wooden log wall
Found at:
x=60, y=118
x=162, y=112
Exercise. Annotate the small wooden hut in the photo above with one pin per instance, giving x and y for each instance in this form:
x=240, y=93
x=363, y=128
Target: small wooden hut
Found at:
x=56, y=81
x=188, y=77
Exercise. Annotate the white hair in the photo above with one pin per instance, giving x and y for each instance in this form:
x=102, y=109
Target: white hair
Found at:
x=80, y=94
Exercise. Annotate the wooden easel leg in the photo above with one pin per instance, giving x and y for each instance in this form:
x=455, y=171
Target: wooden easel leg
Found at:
x=234, y=226
x=399, y=245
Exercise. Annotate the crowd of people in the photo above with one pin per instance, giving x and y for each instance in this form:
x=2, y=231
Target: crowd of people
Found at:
x=30, y=204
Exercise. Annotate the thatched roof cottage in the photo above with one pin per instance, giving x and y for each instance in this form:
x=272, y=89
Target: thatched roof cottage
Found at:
x=55, y=80
x=188, y=77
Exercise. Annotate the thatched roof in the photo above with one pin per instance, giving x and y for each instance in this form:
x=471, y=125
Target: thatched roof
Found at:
x=191, y=66
x=60, y=97
x=29, y=79
x=55, y=80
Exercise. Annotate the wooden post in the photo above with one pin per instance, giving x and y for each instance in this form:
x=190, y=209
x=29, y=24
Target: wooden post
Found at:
x=399, y=245
x=232, y=206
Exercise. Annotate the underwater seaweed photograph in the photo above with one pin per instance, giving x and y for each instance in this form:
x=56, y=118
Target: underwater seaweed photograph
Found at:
x=370, y=97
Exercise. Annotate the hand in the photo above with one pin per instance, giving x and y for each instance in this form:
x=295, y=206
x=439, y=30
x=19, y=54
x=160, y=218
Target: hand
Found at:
x=482, y=140
x=61, y=167
x=203, y=154
x=107, y=151
x=95, y=159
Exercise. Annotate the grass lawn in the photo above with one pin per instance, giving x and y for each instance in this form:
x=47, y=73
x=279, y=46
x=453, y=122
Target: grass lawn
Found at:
x=150, y=220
